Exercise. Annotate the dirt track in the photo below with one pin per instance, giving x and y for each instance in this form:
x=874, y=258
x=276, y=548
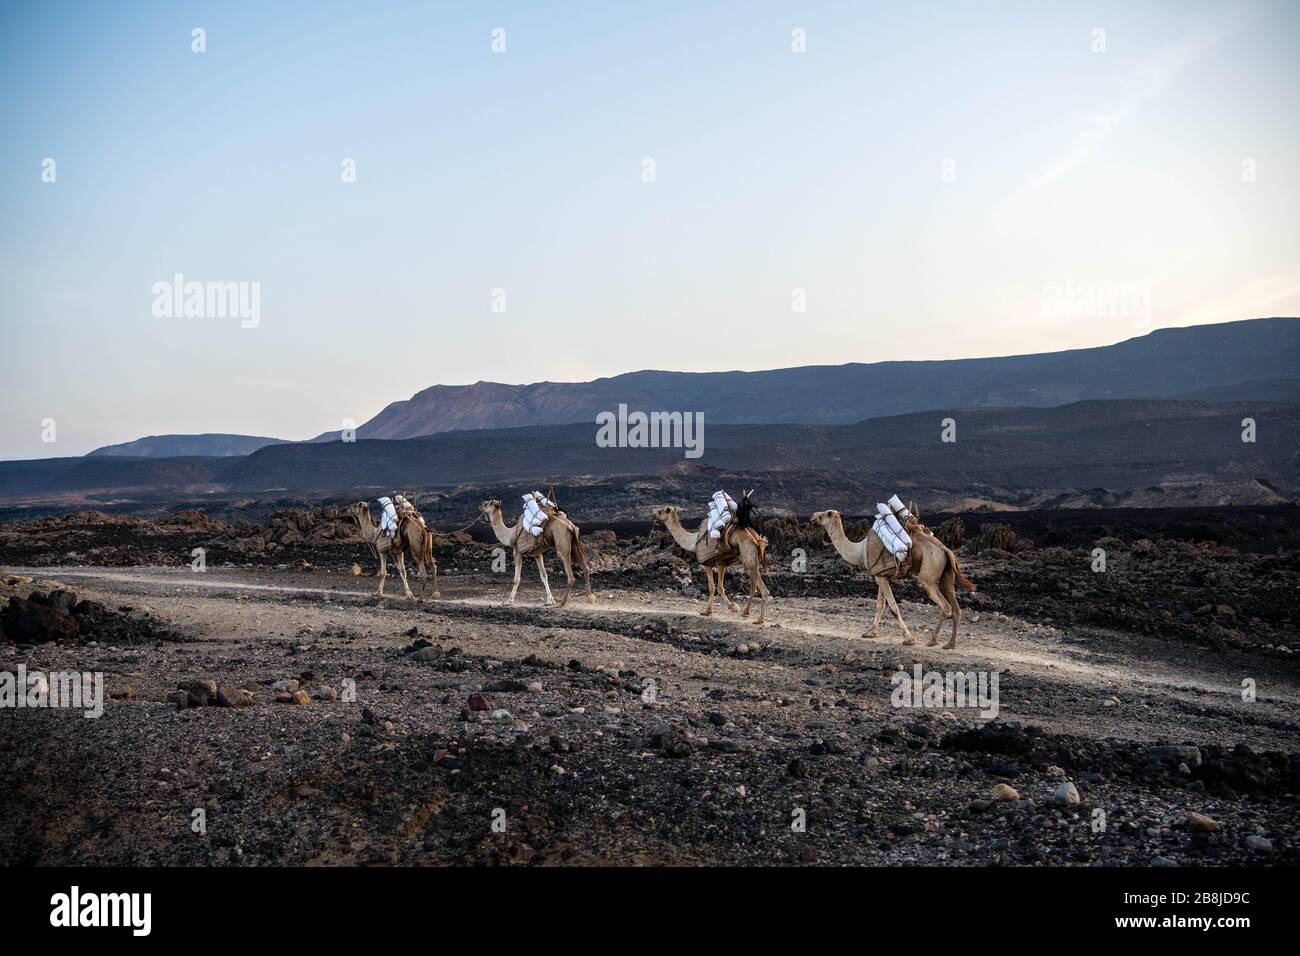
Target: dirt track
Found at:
x=736, y=745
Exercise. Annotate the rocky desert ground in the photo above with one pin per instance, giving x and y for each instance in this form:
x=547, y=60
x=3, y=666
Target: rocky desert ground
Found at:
x=1147, y=713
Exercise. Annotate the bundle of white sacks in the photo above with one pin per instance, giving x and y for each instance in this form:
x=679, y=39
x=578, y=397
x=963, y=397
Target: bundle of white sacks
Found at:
x=721, y=508
x=387, y=517
x=888, y=528
x=534, y=517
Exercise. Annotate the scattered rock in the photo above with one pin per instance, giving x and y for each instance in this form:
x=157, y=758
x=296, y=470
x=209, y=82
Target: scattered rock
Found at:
x=1066, y=793
x=1174, y=755
x=1003, y=792
x=234, y=697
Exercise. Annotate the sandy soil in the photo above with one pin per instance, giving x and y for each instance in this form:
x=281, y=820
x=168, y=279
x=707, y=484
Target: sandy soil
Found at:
x=784, y=750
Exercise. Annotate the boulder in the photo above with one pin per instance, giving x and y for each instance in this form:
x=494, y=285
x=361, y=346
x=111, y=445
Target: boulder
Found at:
x=1066, y=793
x=29, y=622
x=1174, y=755
x=64, y=599
x=234, y=697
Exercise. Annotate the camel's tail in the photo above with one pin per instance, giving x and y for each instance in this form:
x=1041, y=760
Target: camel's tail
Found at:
x=957, y=572
x=579, y=552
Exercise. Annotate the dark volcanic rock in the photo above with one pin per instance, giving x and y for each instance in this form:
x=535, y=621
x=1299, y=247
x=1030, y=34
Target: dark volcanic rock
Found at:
x=26, y=621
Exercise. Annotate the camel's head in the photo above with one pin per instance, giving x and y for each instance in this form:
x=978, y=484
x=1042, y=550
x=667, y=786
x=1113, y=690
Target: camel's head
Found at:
x=663, y=514
x=914, y=518
x=490, y=508
x=360, y=511
x=827, y=519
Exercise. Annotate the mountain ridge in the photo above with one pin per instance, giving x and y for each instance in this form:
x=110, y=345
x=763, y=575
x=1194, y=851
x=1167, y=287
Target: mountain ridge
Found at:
x=1249, y=359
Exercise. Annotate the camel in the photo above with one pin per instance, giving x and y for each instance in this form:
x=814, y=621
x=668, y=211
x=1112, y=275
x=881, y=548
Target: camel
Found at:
x=752, y=548
x=560, y=534
x=930, y=560
x=411, y=537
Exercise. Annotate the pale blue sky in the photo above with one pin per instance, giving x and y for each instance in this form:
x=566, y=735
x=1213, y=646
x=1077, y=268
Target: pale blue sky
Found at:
x=523, y=171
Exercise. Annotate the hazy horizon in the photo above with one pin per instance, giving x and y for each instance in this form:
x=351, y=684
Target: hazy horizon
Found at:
x=928, y=182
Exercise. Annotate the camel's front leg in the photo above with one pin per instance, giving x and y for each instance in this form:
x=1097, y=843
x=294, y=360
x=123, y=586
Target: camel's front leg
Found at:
x=708, y=576
x=880, y=610
x=908, y=639
x=546, y=584
x=519, y=567
x=383, y=572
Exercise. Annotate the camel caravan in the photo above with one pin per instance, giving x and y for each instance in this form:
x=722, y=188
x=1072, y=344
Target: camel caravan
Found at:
x=897, y=546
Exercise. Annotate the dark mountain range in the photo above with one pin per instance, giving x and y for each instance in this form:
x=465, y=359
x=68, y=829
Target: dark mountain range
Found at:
x=1251, y=360
x=1162, y=364
x=1090, y=454
x=1001, y=454
x=173, y=446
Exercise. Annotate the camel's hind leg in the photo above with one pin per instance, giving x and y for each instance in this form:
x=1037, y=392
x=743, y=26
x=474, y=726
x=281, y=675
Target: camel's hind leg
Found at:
x=401, y=569
x=756, y=584
x=546, y=583
x=933, y=591
x=722, y=574
x=419, y=574
x=948, y=583
x=434, y=569
x=586, y=577
x=908, y=639
x=519, y=568
x=567, y=561
x=880, y=609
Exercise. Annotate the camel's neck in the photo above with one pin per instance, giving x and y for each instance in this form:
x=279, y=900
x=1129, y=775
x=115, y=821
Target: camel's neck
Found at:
x=505, y=533
x=683, y=537
x=369, y=530
x=850, y=551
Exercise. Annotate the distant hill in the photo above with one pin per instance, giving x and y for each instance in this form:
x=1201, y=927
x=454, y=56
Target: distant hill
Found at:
x=173, y=446
x=47, y=476
x=1259, y=390
x=1189, y=452
x=1160, y=364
